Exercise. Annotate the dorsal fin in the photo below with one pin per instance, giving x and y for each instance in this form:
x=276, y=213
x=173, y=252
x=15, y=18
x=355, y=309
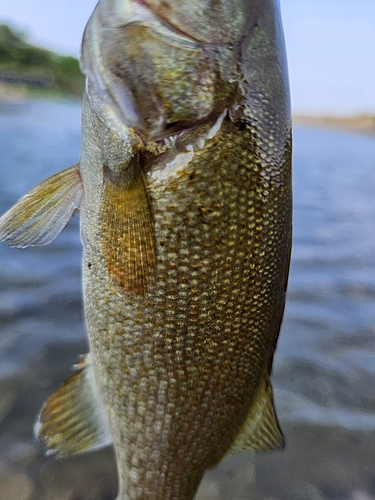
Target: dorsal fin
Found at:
x=39, y=216
x=72, y=420
x=261, y=430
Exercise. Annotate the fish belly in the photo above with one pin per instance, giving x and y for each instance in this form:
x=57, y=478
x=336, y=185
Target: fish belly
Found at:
x=178, y=365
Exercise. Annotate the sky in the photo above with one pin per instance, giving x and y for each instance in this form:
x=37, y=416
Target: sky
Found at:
x=330, y=46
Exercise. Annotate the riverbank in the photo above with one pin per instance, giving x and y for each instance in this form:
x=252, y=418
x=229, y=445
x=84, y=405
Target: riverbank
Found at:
x=356, y=124
x=362, y=124
x=26, y=68
x=22, y=93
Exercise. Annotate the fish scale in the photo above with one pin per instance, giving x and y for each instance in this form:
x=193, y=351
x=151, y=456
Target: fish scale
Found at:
x=184, y=193
x=197, y=342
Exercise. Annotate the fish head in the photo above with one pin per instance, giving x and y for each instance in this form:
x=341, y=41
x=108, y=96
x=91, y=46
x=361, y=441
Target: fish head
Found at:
x=206, y=21
x=166, y=65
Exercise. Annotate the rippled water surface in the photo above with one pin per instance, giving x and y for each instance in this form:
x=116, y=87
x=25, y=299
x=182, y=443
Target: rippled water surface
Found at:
x=324, y=372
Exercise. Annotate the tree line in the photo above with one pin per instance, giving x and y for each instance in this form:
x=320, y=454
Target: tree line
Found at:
x=23, y=63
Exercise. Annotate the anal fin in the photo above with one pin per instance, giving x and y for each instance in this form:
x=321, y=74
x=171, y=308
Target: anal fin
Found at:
x=71, y=420
x=39, y=216
x=261, y=430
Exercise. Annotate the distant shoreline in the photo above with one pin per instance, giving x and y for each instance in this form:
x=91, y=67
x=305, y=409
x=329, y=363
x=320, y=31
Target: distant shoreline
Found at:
x=361, y=124
x=22, y=93
x=355, y=124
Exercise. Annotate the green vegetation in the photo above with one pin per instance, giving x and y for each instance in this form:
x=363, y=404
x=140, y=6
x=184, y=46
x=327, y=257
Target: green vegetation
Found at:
x=22, y=64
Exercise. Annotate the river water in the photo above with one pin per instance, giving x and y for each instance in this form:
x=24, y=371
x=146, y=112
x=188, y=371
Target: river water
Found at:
x=324, y=371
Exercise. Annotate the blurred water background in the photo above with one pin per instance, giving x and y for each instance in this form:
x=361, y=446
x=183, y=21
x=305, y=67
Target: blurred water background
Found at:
x=324, y=371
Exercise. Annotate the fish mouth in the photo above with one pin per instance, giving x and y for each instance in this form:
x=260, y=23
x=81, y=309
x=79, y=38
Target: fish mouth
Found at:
x=161, y=14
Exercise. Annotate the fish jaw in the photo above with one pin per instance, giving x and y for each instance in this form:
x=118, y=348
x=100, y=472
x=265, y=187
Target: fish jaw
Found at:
x=194, y=20
x=158, y=76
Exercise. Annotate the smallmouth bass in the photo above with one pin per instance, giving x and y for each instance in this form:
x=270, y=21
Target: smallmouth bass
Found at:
x=184, y=193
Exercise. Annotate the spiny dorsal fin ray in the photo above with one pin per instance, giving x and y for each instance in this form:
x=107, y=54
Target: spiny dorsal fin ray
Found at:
x=39, y=216
x=71, y=420
x=261, y=430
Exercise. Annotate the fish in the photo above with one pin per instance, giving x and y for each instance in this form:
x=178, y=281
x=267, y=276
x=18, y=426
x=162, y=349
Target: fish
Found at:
x=184, y=192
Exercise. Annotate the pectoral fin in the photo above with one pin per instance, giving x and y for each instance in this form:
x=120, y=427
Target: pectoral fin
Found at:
x=39, y=216
x=261, y=430
x=71, y=420
x=127, y=234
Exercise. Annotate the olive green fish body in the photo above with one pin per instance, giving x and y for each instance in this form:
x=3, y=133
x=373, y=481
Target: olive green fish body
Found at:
x=184, y=191
x=188, y=349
